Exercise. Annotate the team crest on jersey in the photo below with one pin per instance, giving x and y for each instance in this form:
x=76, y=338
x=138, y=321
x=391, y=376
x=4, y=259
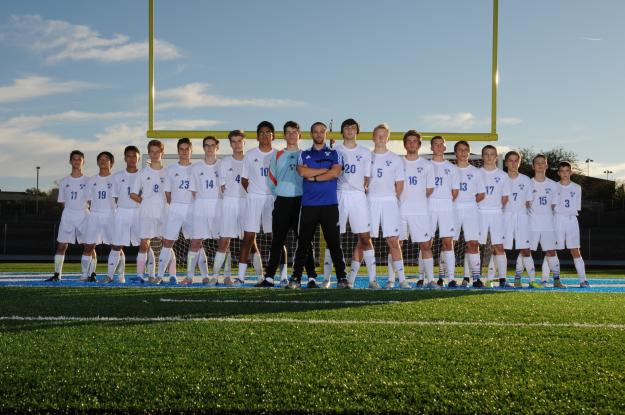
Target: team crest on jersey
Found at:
x=358, y=157
x=497, y=179
x=572, y=194
x=82, y=186
x=176, y=175
x=419, y=170
x=307, y=156
x=109, y=185
x=230, y=169
x=202, y=174
x=388, y=163
x=162, y=180
x=123, y=180
x=548, y=191
x=521, y=186
x=67, y=185
x=447, y=171
x=149, y=178
x=255, y=160
x=469, y=176
x=327, y=153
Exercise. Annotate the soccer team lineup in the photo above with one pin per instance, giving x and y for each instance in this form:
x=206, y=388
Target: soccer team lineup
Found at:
x=405, y=199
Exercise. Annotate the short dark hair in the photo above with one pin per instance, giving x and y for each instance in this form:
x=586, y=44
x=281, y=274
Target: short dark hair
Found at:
x=265, y=124
x=156, y=143
x=437, y=137
x=291, y=124
x=412, y=133
x=107, y=154
x=538, y=156
x=489, y=147
x=461, y=143
x=318, y=123
x=236, y=133
x=512, y=153
x=350, y=121
x=184, y=140
x=564, y=163
x=76, y=152
x=131, y=148
x=210, y=137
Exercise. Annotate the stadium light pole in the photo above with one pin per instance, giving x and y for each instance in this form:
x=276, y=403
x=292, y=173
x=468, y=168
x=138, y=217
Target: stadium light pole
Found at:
x=37, y=195
x=607, y=174
x=588, y=161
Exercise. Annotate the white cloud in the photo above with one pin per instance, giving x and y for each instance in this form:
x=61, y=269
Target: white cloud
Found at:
x=34, y=86
x=32, y=122
x=194, y=95
x=58, y=40
x=463, y=121
x=187, y=124
x=593, y=39
x=508, y=121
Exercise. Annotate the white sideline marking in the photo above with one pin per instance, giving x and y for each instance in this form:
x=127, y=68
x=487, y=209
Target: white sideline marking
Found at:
x=315, y=321
x=172, y=300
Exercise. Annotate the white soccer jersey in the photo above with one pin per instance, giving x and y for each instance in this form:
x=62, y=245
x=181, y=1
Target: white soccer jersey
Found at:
x=471, y=182
x=100, y=193
x=150, y=184
x=122, y=187
x=256, y=170
x=496, y=186
x=569, y=199
x=418, y=177
x=356, y=166
x=445, y=179
x=73, y=192
x=520, y=194
x=205, y=180
x=387, y=169
x=178, y=183
x=230, y=171
x=544, y=196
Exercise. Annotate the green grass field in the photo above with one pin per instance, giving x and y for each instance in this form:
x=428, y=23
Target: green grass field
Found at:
x=277, y=351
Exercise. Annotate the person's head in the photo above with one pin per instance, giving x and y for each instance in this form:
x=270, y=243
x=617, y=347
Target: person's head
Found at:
x=105, y=160
x=381, y=133
x=291, y=132
x=564, y=170
x=265, y=133
x=412, y=141
x=318, y=132
x=156, y=148
x=237, y=140
x=185, y=148
x=437, y=145
x=131, y=156
x=76, y=159
x=210, y=145
x=350, y=128
x=512, y=161
x=539, y=164
x=462, y=150
x=489, y=155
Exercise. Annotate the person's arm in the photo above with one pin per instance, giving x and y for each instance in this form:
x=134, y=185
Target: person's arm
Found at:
x=399, y=187
x=454, y=194
x=504, y=200
x=272, y=181
x=310, y=172
x=479, y=197
x=328, y=174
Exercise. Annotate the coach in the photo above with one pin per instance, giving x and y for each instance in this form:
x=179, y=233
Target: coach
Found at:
x=319, y=166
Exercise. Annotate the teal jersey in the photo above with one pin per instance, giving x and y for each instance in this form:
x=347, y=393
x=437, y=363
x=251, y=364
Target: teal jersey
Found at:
x=283, y=178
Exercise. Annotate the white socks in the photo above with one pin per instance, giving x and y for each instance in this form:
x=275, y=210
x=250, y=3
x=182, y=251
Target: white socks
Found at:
x=428, y=268
x=580, y=267
x=257, y=262
x=554, y=265
x=474, y=265
x=163, y=261
x=142, y=258
x=242, y=270
x=218, y=261
x=450, y=264
x=502, y=265
x=353, y=271
x=399, y=267
x=113, y=261
x=58, y=264
x=369, y=257
x=192, y=258
x=85, y=261
x=327, y=265
x=203, y=263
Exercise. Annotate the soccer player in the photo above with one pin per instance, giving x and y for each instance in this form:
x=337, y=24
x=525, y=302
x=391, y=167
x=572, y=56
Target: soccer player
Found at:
x=542, y=222
x=232, y=205
x=98, y=226
x=126, y=220
x=385, y=187
x=353, y=206
x=286, y=185
x=180, y=198
x=73, y=198
x=516, y=219
x=470, y=193
x=497, y=192
x=567, y=228
x=206, y=190
x=259, y=199
x=148, y=190
x=413, y=201
x=319, y=166
x=446, y=185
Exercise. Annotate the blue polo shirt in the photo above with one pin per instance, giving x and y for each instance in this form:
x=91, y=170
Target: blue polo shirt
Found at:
x=319, y=193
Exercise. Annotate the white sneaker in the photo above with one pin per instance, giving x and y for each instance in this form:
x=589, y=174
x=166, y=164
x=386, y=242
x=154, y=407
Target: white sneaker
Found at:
x=284, y=283
x=432, y=285
x=326, y=283
x=187, y=281
x=389, y=285
x=108, y=279
x=239, y=281
x=404, y=285
x=157, y=280
x=228, y=281
x=374, y=285
x=209, y=280
x=121, y=279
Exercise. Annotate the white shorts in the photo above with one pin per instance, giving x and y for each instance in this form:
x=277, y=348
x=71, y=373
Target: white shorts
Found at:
x=546, y=238
x=491, y=221
x=71, y=228
x=178, y=217
x=151, y=216
x=99, y=228
x=567, y=232
x=126, y=227
x=468, y=220
x=230, y=221
x=257, y=213
x=442, y=217
x=203, y=219
x=353, y=207
x=417, y=226
x=384, y=212
x=516, y=230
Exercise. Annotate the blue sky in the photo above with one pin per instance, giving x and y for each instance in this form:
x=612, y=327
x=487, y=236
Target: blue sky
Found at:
x=74, y=73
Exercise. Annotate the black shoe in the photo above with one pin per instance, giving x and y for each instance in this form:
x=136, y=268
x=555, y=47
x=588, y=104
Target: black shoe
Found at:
x=293, y=284
x=420, y=284
x=312, y=284
x=92, y=278
x=265, y=284
x=343, y=283
x=440, y=282
x=54, y=278
x=452, y=284
x=478, y=284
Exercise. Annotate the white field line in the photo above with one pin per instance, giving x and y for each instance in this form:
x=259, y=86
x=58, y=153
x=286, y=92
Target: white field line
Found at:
x=245, y=320
x=345, y=302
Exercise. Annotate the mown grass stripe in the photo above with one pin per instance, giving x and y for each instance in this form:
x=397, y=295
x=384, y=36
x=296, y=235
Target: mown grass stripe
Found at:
x=345, y=302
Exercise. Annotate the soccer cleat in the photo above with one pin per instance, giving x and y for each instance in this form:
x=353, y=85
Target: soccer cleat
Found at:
x=478, y=283
x=173, y=280
x=433, y=285
x=489, y=284
x=186, y=281
x=265, y=284
x=405, y=285
x=326, y=283
x=284, y=283
x=239, y=282
x=389, y=285
x=420, y=284
x=517, y=282
x=557, y=283
x=440, y=282
x=157, y=280
x=452, y=284
x=544, y=284
x=108, y=280
x=92, y=278
x=374, y=285
x=465, y=282
x=503, y=283
x=293, y=285
x=54, y=278
x=343, y=284
x=534, y=284
x=584, y=284
x=312, y=284
x=228, y=281
x=121, y=279
x=210, y=280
